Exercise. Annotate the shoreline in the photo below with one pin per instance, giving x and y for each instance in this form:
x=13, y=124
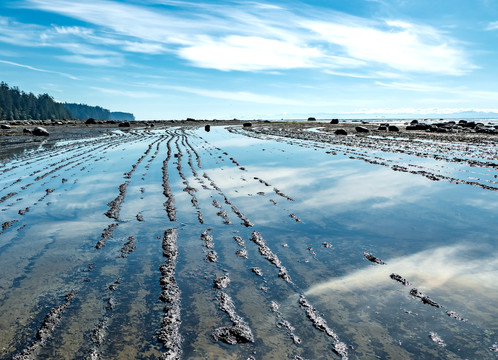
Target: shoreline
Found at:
x=14, y=140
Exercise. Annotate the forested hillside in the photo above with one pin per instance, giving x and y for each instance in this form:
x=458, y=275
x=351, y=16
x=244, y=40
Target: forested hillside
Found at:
x=18, y=105
x=83, y=111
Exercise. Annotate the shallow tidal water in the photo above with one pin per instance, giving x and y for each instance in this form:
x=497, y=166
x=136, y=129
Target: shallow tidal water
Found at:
x=110, y=246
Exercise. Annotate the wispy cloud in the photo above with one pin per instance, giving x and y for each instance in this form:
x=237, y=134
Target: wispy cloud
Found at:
x=492, y=26
x=128, y=93
x=92, y=60
x=410, y=86
x=251, y=36
x=38, y=69
x=244, y=96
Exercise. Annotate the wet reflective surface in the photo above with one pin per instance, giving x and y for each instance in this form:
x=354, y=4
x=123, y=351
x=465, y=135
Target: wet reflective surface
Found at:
x=311, y=236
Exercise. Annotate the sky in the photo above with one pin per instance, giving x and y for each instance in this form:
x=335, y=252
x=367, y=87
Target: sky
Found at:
x=173, y=59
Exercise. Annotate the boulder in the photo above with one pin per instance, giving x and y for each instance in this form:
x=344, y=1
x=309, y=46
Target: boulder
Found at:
x=393, y=128
x=124, y=124
x=40, y=131
x=248, y=124
x=362, y=129
x=27, y=131
x=207, y=128
x=91, y=121
x=340, y=132
x=334, y=121
x=414, y=122
x=382, y=128
x=311, y=119
x=5, y=127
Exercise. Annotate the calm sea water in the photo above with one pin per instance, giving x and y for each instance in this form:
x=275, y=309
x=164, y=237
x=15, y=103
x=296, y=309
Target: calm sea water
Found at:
x=318, y=214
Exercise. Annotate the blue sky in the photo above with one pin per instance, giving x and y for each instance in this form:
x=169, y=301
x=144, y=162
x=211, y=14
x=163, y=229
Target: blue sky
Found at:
x=172, y=59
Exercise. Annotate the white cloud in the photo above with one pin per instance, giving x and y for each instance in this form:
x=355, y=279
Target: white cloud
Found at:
x=492, y=26
x=128, y=93
x=410, y=86
x=249, y=53
x=253, y=36
x=429, y=269
x=402, y=46
x=235, y=95
x=92, y=60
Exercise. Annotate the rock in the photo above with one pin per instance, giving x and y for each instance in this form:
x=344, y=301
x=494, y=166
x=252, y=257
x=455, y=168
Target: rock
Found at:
x=27, y=131
x=334, y=121
x=207, y=128
x=40, y=131
x=340, y=132
x=221, y=282
x=311, y=119
x=91, y=121
x=400, y=279
x=373, y=259
x=5, y=127
x=362, y=129
x=414, y=122
x=425, y=299
x=248, y=124
x=382, y=128
x=393, y=128
x=124, y=124
x=238, y=334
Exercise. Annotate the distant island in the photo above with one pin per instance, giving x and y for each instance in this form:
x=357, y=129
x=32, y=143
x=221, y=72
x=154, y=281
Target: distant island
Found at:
x=15, y=104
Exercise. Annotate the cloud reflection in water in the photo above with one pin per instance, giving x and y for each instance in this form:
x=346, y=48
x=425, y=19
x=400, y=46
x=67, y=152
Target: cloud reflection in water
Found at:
x=428, y=269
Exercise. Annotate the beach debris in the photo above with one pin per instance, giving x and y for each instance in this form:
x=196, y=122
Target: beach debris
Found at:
x=373, y=259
